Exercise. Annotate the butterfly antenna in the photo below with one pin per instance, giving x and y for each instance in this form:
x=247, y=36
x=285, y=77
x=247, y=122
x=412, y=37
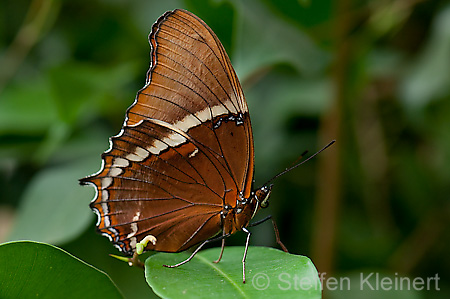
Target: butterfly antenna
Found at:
x=300, y=163
x=298, y=159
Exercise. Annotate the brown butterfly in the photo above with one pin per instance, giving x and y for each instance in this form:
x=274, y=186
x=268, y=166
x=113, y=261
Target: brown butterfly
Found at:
x=181, y=169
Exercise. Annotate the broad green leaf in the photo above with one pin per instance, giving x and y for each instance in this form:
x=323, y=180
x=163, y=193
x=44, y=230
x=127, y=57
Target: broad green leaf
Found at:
x=270, y=273
x=31, y=269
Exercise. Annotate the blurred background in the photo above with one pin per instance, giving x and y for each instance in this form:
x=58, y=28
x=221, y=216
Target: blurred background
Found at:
x=374, y=75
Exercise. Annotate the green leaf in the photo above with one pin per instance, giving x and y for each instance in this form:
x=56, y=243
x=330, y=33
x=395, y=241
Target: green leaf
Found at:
x=78, y=88
x=27, y=108
x=218, y=15
x=55, y=208
x=429, y=76
x=270, y=272
x=30, y=269
x=264, y=40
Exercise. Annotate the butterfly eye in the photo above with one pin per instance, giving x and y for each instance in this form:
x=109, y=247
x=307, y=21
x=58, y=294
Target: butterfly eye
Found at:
x=262, y=195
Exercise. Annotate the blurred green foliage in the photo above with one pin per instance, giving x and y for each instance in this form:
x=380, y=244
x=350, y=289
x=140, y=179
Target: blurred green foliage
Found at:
x=375, y=75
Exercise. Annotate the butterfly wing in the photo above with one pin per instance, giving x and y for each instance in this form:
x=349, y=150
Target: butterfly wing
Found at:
x=186, y=148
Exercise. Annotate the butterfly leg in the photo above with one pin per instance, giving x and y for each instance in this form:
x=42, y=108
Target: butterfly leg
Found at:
x=197, y=250
x=275, y=228
x=221, y=251
x=189, y=258
x=277, y=236
x=245, y=252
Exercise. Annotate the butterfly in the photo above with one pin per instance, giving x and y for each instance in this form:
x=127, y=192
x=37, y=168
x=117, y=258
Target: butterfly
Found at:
x=180, y=172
